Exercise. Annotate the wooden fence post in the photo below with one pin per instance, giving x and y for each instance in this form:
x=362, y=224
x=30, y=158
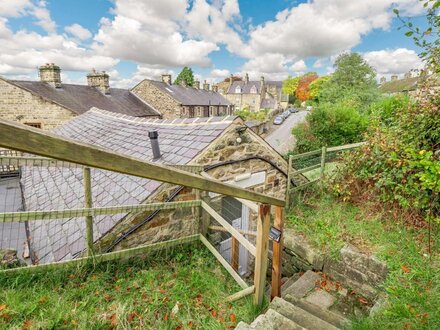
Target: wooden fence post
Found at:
x=289, y=183
x=263, y=226
x=88, y=204
x=277, y=249
x=234, y=253
x=323, y=156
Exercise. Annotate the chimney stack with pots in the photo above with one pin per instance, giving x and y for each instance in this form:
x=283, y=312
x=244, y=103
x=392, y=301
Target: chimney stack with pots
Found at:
x=51, y=74
x=99, y=80
x=383, y=80
x=154, y=140
x=206, y=86
x=166, y=78
x=215, y=88
x=246, y=79
x=394, y=77
x=196, y=84
x=408, y=75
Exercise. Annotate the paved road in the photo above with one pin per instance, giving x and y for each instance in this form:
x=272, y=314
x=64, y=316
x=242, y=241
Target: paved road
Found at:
x=282, y=139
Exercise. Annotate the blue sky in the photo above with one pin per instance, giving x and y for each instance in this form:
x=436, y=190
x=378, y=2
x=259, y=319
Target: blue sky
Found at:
x=137, y=39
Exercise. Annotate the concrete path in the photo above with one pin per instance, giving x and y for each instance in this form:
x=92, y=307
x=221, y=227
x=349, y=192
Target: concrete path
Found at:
x=282, y=139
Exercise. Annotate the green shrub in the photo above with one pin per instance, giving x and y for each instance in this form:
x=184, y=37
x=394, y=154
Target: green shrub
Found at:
x=330, y=125
x=401, y=163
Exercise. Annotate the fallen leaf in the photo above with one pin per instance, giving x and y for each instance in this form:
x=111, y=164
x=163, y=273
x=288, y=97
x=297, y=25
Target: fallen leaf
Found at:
x=190, y=324
x=165, y=318
x=363, y=301
x=3, y=306
x=113, y=319
x=43, y=300
x=214, y=313
x=178, y=327
x=405, y=269
x=233, y=318
x=74, y=322
x=27, y=324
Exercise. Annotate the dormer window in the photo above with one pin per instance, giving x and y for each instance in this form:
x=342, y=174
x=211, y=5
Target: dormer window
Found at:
x=238, y=89
x=253, y=90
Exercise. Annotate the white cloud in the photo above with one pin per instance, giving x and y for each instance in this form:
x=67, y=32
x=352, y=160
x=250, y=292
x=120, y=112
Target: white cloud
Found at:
x=14, y=8
x=299, y=66
x=398, y=61
x=42, y=14
x=220, y=73
x=78, y=31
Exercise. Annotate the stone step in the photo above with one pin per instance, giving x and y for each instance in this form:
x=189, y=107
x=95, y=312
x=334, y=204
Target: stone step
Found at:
x=273, y=320
x=299, y=315
x=330, y=317
x=302, y=286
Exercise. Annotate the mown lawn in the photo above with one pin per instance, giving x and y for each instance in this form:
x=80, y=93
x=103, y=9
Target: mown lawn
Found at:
x=413, y=284
x=180, y=289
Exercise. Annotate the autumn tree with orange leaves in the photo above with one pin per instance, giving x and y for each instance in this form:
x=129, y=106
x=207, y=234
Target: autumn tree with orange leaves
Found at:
x=303, y=90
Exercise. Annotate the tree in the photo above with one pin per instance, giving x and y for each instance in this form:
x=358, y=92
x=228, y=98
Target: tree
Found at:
x=290, y=85
x=186, y=75
x=353, y=79
x=316, y=87
x=303, y=90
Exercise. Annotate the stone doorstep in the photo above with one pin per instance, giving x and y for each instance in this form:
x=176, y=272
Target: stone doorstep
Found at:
x=303, y=285
x=299, y=315
x=274, y=320
x=331, y=317
x=321, y=298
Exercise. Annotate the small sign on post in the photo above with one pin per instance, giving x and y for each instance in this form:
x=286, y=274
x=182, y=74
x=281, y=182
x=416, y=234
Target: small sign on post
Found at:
x=275, y=234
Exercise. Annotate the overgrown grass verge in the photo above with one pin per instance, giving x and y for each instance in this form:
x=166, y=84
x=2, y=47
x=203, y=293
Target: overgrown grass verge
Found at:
x=180, y=289
x=413, y=284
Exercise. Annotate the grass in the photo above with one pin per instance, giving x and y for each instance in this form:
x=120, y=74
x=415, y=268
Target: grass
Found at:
x=316, y=173
x=413, y=283
x=172, y=290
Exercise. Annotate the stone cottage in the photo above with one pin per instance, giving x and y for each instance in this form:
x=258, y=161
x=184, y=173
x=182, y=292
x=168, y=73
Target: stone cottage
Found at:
x=226, y=148
x=256, y=95
x=49, y=102
x=180, y=101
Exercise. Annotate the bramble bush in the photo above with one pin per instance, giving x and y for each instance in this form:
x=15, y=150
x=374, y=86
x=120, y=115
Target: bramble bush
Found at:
x=401, y=162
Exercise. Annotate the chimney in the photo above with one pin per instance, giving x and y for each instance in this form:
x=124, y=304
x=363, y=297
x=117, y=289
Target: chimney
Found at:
x=206, y=86
x=246, y=79
x=51, y=74
x=230, y=81
x=262, y=80
x=196, y=84
x=183, y=83
x=215, y=88
x=99, y=80
x=383, y=80
x=394, y=77
x=166, y=78
x=153, y=135
x=408, y=75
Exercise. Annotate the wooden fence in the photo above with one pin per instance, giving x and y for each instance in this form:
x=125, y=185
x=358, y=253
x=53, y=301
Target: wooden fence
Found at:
x=322, y=154
x=30, y=140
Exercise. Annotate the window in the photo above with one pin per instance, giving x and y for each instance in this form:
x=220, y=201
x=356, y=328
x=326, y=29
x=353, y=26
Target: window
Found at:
x=238, y=89
x=253, y=90
x=36, y=125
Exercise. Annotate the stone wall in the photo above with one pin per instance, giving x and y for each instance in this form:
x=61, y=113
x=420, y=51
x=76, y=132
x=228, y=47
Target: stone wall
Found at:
x=353, y=269
x=19, y=105
x=162, y=102
x=183, y=222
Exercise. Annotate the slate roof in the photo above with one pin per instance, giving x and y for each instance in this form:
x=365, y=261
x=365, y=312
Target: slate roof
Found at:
x=80, y=98
x=55, y=188
x=246, y=88
x=191, y=96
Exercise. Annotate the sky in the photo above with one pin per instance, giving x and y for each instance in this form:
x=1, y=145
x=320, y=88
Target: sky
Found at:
x=137, y=39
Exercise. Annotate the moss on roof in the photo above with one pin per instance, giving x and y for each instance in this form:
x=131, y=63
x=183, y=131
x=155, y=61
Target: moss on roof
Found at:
x=401, y=85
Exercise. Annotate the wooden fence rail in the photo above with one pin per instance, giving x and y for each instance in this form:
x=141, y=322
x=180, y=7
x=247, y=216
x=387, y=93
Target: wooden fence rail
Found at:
x=38, y=142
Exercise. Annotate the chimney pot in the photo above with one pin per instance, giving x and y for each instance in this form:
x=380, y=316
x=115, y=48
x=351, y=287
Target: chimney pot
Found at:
x=154, y=135
x=394, y=77
x=196, y=84
x=206, y=86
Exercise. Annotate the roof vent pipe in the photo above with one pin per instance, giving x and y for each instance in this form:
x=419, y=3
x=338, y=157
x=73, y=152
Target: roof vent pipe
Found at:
x=153, y=135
